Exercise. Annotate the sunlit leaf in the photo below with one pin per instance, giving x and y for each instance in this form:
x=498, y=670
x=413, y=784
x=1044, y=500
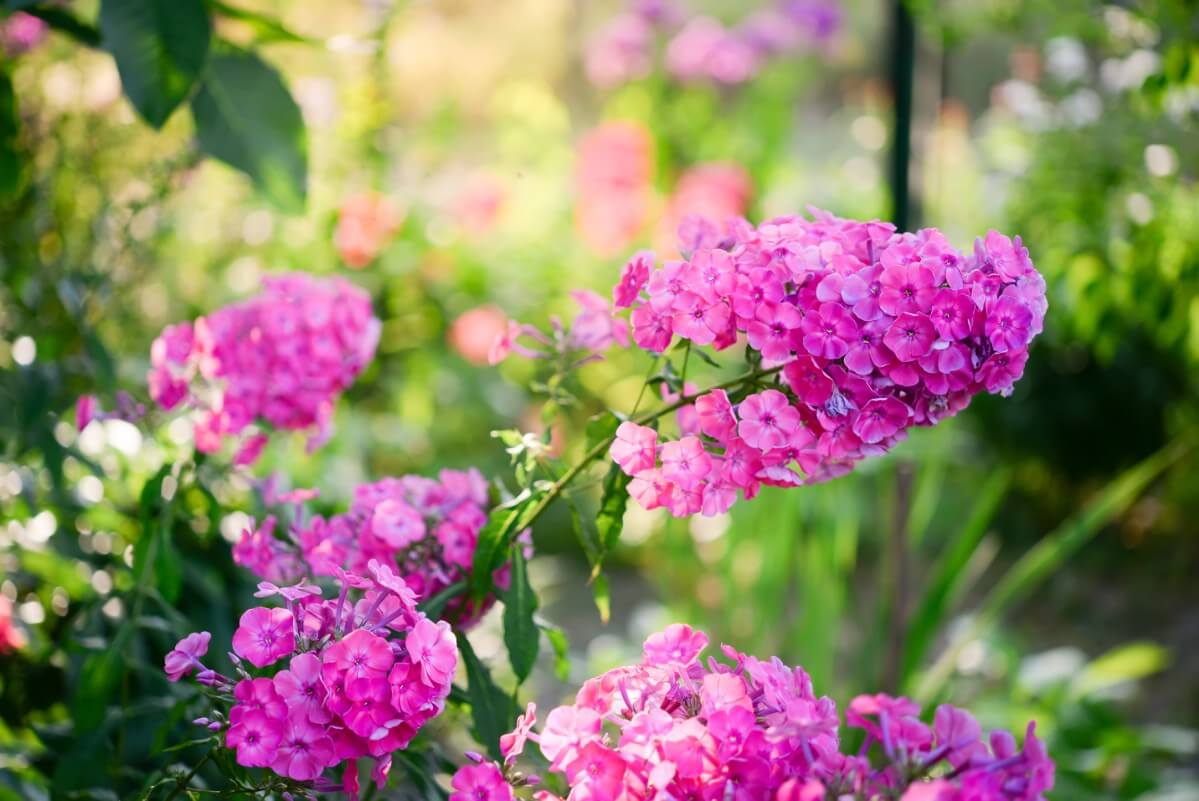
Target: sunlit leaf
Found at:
x=246, y=118
x=160, y=47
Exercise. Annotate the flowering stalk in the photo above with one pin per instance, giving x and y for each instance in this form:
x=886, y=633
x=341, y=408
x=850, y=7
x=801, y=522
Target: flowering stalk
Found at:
x=604, y=445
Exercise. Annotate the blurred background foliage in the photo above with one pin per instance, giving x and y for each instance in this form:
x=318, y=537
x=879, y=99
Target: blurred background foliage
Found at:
x=1035, y=557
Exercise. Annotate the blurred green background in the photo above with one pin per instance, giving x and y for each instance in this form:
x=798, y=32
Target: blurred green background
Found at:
x=1035, y=557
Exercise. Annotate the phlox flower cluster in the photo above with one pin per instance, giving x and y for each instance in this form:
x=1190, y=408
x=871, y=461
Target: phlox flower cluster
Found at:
x=676, y=727
x=425, y=529
x=594, y=329
x=324, y=682
x=280, y=358
x=861, y=332
x=700, y=48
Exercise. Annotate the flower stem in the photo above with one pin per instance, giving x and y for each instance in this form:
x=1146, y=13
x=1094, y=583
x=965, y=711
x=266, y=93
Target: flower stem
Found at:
x=602, y=446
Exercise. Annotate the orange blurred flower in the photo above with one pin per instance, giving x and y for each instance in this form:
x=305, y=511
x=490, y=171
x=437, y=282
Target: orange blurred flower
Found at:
x=474, y=332
x=366, y=223
x=613, y=176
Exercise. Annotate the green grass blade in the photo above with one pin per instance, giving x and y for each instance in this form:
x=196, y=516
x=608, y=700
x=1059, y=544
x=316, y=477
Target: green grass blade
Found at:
x=949, y=573
x=1047, y=556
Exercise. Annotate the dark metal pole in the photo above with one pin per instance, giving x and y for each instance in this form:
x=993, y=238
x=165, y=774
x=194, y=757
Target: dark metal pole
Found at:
x=903, y=71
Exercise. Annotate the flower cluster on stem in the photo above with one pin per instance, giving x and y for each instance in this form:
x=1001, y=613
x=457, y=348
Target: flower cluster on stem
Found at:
x=425, y=529
x=281, y=358
x=677, y=727
x=870, y=331
x=363, y=673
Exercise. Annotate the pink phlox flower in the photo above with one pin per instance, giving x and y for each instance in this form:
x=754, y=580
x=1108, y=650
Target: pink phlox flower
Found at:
x=185, y=656
x=301, y=688
x=512, y=744
x=767, y=420
x=397, y=523
x=567, y=730
x=633, y=279
x=304, y=750
x=264, y=635
x=634, y=448
x=686, y=462
x=715, y=415
x=482, y=782
x=360, y=654
x=677, y=643
x=432, y=646
x=256, y=738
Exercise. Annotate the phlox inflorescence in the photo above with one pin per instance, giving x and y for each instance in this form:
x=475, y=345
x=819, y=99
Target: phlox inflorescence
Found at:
x=281, y=359
x=323, y=682
x=858, y=333
x=677, y=727
x=426, y=529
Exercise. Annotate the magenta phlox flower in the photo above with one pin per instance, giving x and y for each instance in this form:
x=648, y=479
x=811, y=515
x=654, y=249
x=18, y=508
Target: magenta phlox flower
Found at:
x=754, y=730
x=875, y=332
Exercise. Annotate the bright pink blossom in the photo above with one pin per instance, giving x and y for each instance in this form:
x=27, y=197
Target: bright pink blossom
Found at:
x=767, y=420
x=185, y=656
x=265, y=635
x=749, y=729
x=281, y=358
x=875, y=331
x=634, y=448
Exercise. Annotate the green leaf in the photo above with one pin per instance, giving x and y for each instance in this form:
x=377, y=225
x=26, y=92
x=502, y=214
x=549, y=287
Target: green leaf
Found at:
x=585, y=532
x=1048, y=555
x=246, y=118
x=949, y=574
x=561, y=646
x=1129, y=662
x=493, y=541
x=600, y=428
x=160, y=47
x=490, y=707
x=520, y=632
x=156, y=561
x=603, y=599
x=609, y=520
x=98, y=682
x=266, y=29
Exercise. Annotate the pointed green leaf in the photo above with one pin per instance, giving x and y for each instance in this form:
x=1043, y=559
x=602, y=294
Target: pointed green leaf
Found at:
x=600, y=428
x=609, y=521
x=491, y=708
x=520, y=632
x=603, y=601
x=949, y=573
x=246, y=118
x=160, y=47
x=1048, y=555
x=561, y=646
x=495, y=536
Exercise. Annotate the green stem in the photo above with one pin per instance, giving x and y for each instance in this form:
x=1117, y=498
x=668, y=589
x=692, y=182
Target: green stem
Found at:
x=181, y=783
x=602, y=446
